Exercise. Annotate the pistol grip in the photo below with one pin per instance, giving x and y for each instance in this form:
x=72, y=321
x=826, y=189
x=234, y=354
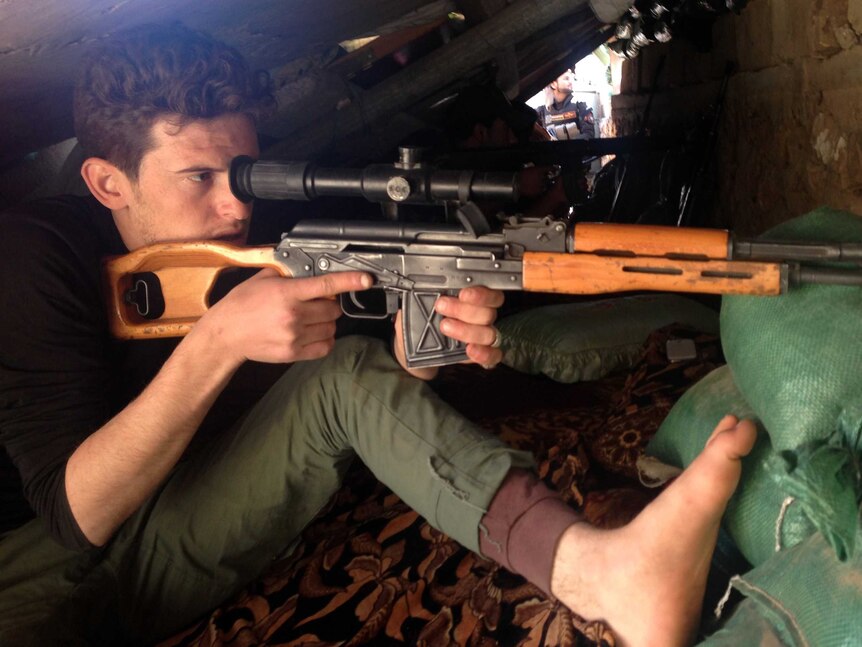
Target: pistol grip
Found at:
x=424, y=344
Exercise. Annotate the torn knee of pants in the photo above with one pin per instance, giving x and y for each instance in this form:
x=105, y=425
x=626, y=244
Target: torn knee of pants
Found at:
x=447, y=476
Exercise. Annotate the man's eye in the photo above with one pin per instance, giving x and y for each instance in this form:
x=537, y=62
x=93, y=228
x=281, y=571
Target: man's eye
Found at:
x=200, y=177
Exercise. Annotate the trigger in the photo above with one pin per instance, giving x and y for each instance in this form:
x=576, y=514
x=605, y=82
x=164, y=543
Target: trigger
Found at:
x=356, y=302
x=364, y=305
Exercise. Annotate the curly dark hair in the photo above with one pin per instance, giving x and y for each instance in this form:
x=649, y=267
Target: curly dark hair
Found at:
x=156, y=71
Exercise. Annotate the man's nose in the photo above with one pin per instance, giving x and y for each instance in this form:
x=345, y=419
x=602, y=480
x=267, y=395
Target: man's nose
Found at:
x=228, y=205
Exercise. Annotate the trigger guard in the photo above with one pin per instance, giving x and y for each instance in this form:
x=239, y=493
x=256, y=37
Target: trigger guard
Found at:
x=353, y=307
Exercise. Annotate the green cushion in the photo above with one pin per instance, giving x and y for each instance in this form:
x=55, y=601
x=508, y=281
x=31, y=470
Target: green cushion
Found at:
x=576, y=342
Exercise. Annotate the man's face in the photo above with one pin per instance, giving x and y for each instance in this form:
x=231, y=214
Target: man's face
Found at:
x=564, y=82
x=182, y=192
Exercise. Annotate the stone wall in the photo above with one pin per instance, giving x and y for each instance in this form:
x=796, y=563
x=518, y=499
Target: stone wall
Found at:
x=790, y=134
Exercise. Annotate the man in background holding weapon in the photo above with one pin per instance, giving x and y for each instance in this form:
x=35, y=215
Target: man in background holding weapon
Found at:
x=138, y=530
x=562, y=116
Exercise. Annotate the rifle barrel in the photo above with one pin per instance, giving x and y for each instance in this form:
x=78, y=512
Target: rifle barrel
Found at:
x=802, y=275
x=796, y=251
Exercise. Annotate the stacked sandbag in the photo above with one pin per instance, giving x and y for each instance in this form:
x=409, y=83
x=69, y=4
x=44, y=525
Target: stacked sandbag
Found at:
x=795, y=368
x=798, y=357
x=798, y=361
x=801, y=597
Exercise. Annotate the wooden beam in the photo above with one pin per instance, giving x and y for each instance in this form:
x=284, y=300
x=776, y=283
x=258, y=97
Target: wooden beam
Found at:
x=458, y=57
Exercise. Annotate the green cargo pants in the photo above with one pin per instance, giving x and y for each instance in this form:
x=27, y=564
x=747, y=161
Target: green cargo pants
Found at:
x=225, y=514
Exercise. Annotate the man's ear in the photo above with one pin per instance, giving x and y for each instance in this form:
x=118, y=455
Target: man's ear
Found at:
x=108, y=184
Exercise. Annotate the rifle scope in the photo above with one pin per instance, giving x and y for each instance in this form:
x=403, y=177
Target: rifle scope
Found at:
x=286, y=180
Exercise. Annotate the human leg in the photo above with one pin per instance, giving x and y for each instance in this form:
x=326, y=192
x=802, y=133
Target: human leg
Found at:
x=222, y=516
x=36, y=575
x=647, y=579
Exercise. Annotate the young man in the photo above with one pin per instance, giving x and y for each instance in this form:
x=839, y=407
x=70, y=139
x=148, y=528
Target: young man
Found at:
x=139, y=530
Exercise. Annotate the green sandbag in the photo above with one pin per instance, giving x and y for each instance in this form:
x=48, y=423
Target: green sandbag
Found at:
x=798, y=357
x=685, y=430
x=824, y=478
x=758, y=507
x=800, y=597
x=748, y=625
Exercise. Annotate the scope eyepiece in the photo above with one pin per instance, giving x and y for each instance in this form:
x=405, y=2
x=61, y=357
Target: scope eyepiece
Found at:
x=238, y=176
x=270, y=179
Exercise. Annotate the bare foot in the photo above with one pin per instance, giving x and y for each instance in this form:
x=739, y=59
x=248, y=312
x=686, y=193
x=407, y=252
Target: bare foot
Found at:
x=647, y=579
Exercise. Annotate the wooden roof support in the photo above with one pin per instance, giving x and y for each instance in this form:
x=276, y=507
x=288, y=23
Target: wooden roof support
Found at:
x=457, y=58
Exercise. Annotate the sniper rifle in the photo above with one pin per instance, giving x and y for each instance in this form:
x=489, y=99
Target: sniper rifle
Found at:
x=415, y=263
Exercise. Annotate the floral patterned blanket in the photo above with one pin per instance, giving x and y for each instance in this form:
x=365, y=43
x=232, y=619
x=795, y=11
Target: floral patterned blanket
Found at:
x=370, y=571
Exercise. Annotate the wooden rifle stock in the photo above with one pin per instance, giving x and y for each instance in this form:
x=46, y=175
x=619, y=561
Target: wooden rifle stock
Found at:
x=187, y=273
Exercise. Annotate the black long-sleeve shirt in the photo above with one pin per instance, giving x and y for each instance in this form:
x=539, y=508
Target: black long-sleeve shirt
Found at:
x=58, y=366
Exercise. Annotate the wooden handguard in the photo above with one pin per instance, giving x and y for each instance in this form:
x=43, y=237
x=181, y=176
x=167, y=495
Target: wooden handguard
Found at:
x=651, y=240
x=187, y=272
x=595, y=274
